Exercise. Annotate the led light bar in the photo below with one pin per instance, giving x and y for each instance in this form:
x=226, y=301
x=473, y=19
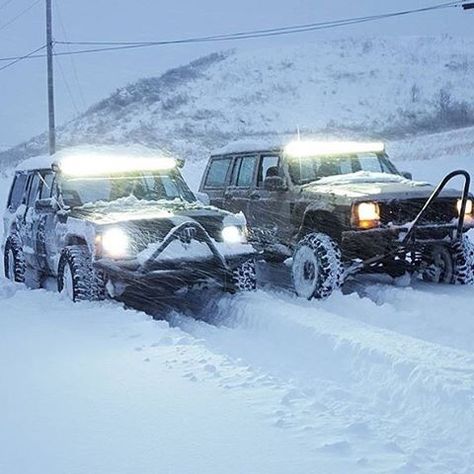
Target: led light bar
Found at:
x=306, y=148
x=98, y=164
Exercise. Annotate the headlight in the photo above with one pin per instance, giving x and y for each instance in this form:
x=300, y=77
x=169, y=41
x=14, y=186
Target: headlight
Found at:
x=469, y=207
x=233, y=234
x=367, y=215
x=115, y=242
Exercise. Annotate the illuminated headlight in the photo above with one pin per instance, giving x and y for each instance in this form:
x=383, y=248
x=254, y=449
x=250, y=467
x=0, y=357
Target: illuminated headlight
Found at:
x=233, y=235
x=469, y=207
x=115, y=242
x=367, y=215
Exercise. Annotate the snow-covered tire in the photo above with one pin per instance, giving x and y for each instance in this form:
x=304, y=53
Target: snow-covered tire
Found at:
x=76, y=275
x=14, y=260
x=317, y=267
x=244, y=277
x=452, y=264
x=463, y=257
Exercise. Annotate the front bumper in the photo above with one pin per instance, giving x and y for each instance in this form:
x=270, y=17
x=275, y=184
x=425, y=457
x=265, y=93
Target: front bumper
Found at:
x=187, y=257
x=366, y=244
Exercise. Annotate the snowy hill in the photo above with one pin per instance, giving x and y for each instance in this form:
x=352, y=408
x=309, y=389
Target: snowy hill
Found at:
x=386, y=87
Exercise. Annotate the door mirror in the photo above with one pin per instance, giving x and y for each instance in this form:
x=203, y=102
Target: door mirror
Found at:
x=45, y=205
x=407, y=175
x=203, y=198
x=274, y=183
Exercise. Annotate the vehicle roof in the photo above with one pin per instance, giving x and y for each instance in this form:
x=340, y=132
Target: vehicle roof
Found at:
x=275, y=144
x=43, y=162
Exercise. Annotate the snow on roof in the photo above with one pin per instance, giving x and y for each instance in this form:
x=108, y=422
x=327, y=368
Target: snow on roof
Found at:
x=302, y=147
x=92, y=151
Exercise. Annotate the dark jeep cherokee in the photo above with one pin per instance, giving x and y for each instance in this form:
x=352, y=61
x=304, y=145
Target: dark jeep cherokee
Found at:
x=104, y=221
x=342, y=207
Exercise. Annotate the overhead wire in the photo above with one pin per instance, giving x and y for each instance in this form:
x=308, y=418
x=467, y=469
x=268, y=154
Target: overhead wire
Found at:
x=106, y=46
x=21, y=58
x=19, y=15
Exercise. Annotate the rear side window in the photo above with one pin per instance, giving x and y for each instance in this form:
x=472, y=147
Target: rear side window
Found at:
x=243, y=171
x=17, y=192
x=217, y=174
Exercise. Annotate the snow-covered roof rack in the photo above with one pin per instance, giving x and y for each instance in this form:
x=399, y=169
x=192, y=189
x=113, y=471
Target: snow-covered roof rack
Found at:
x=302, y=147
x=97, y=160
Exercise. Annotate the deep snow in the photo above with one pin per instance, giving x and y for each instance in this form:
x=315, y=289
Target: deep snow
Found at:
x=380, y=379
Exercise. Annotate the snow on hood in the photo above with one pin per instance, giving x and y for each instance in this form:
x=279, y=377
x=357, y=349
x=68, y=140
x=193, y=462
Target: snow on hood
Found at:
x=369, y=177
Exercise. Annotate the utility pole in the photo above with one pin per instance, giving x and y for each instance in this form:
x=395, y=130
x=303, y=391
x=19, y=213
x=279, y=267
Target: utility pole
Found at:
x=49, y=47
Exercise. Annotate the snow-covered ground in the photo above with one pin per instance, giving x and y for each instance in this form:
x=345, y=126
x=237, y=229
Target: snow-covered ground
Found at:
x=380, y=379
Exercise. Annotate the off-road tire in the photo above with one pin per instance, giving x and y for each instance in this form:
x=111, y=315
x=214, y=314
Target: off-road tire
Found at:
x=244, y=277
x=317, y=269
x=14, y=253
x=458, y=265
x=463, y=258
x=87, y=285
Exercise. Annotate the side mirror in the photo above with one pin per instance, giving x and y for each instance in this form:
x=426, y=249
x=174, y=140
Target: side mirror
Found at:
x=407, y=175
x=274, y=183
x=45, y=205
x=203, y=198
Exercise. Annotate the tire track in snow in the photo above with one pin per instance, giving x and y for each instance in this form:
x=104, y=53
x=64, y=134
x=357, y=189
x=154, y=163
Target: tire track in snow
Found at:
x=406, y=391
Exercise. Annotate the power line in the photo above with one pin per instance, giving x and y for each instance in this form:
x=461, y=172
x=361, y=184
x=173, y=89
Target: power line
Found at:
x=270, y=32
x=21, y=58
x=73, y=63
x=5, y=4
x=17, y=17
x=253, y=34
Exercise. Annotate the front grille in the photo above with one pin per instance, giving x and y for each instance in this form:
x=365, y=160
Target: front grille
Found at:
x=441, y=211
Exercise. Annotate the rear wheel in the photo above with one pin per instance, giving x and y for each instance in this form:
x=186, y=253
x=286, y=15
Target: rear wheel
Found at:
x=76, y=276
x=317, y=268
x=244, y=277
x=14, y=261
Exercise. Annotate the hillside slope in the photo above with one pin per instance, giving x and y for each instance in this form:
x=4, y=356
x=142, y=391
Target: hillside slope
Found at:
x=377, y=87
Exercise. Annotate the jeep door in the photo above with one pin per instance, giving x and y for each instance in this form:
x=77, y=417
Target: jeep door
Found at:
x=238, y=192
x=270, y=210
x=44, y=221
x=29, y=217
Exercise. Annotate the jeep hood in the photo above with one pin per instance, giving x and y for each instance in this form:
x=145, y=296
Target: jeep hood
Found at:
x=373, y=186
x=131, y=209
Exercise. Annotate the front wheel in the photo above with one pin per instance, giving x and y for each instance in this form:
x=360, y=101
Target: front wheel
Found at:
x=451, y=264
x=76, y=276
x=244, y=277
x=317, y=267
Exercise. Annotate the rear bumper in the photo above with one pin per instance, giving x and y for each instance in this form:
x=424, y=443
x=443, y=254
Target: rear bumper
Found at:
x=366, y=244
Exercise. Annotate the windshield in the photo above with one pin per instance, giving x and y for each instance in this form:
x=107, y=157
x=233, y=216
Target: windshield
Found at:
x=143, y=186
x=309, y=169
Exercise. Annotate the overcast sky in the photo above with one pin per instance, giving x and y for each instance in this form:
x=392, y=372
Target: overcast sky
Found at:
x=22, y=88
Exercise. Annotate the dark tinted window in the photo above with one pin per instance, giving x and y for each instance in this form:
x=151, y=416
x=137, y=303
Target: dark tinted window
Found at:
x=34, y=189
x=217, y=174
x=17, y=192
x=47, y=184
x=269, y=166
x=245, y=167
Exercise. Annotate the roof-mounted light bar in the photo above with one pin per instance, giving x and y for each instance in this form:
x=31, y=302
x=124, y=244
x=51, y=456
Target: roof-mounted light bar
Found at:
x=308, y=148
x=98, y=164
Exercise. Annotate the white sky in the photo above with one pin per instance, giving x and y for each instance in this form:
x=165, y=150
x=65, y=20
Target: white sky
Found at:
x=23, y=87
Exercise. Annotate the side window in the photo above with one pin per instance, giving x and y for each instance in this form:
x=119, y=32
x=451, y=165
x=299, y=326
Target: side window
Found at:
x=17, y=192
x=35, y=187
x=269, y=166
x=47, y=184
x=217, y=174
x=244, y=170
